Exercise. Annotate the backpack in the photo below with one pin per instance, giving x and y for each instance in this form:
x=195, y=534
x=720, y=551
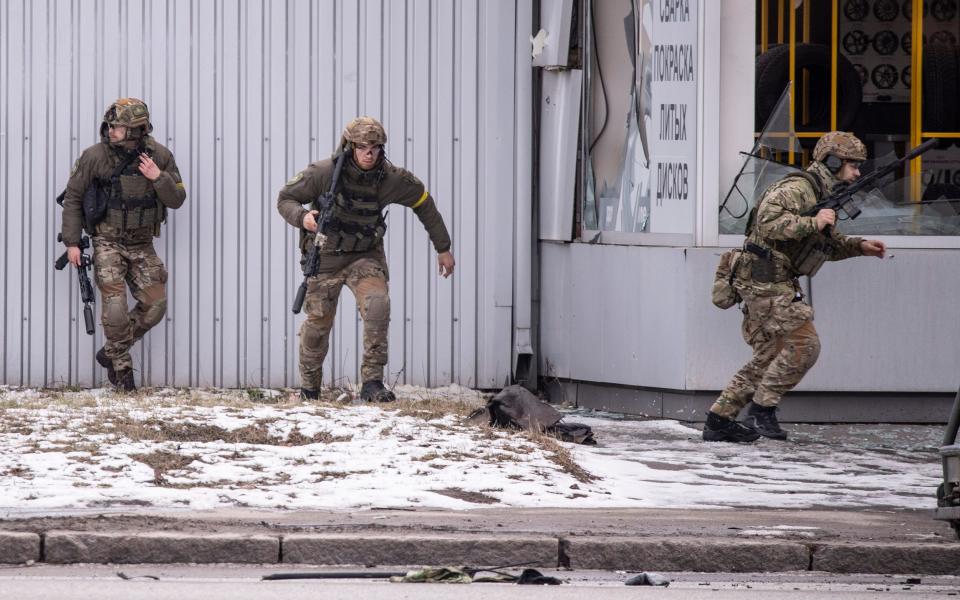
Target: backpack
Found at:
x=724, y=295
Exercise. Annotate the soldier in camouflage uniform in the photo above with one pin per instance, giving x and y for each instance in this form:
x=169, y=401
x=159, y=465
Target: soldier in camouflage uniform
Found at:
x=781, y=245
x=352, y=253
x=139, y=195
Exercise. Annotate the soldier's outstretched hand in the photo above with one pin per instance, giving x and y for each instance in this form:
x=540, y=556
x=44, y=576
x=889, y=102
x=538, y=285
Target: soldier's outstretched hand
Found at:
x=149, y=168
x=873, y=248
x=446, y=262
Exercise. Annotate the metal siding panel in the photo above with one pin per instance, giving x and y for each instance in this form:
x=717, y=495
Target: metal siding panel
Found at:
x=230, y=209
x=34, y=249
x=298, y=155
x=204, y=220
x=259, y=198
x=419, y=107
x=14, y=344
x=62, y=330
x=181, y=289
x=443, y=156
x=496, y=190
x=394, y=113
x=464, y=217
x=275, y=234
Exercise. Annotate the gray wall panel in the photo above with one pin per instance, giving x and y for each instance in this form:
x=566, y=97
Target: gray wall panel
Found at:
x=885, y=326
x=246, y=94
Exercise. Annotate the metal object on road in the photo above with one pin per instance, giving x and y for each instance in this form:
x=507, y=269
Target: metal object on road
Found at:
x=948, y=494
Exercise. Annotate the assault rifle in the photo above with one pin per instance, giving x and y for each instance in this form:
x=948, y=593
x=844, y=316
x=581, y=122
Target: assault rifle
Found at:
x=325, y=204
x=86, y=289
x=842, y=200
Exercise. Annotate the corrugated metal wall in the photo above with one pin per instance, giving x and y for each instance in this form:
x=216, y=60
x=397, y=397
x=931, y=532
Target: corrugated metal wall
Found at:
x=247, y=93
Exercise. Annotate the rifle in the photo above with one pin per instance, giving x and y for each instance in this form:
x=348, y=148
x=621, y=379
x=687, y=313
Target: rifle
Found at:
x=843, y=199
x=325, y=204
x=86, y=289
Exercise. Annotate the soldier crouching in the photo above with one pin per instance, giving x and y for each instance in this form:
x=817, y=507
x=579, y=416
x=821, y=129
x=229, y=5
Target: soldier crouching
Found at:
x=135, y=180
x=782, y=244
x=351, y=248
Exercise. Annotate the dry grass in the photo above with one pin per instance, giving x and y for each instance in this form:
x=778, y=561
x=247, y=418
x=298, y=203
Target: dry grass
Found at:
x=558, y=454
x=431, y=408
x=158, y=430
x=162, y=462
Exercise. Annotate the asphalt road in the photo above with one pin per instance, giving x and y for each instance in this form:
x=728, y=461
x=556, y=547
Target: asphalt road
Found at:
x=95, y=582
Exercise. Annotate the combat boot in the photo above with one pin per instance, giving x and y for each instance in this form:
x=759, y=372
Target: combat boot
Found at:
x=763, y=419
x=104, y=361
x=373, y=391
x=306, y=394
x=722, y=429
x=125, y=381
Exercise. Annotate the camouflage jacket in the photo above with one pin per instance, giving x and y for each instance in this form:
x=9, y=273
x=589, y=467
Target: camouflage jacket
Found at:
x=397, y=186
x=781, y=227
x=98, y=162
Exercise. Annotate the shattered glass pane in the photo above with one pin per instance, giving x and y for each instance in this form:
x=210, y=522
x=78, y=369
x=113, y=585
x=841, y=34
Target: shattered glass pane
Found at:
x=890, y=207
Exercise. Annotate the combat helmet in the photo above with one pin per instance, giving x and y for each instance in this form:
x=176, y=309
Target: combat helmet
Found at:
x=841, y=145
x=364, y=131
x=131, y=113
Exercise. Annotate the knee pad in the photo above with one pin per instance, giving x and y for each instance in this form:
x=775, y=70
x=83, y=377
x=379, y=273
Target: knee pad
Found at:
x=377, y=307
x=154, y=313
x=114, y=314
x=312, y=335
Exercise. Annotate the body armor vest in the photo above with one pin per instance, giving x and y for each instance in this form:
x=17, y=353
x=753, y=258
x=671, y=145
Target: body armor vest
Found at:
x=356, y=223
x=765, y=267
x=132, y=202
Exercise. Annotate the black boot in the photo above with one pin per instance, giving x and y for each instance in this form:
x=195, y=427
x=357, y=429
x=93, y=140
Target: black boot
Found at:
x=104, y=361
x=722, y=429
x=125, y=381
x=373, y=391
x=764, y=420
x=306, y=394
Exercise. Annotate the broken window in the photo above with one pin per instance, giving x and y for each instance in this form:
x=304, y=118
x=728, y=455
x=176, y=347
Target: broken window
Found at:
x=640, y=134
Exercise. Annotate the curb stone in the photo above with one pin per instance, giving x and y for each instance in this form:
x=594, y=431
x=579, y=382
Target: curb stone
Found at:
x=76, y=547
x=657, y=554
x=18, y=548
x=939, y=559
x=334, y=549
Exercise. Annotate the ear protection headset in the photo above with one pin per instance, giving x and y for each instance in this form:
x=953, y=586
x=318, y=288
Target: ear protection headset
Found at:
x=833, y=163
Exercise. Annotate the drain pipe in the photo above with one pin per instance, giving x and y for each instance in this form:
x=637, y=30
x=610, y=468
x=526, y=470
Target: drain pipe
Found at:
x=523, y=354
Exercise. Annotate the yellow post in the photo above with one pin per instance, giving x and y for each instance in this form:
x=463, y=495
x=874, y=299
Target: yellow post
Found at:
x=834, y=35
x=793, y=72
x=806, y=74
x=764, y=25
x=916, y=97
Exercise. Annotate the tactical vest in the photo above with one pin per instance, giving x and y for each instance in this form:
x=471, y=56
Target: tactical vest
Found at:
x=132, y=202
x=356, y=223
x=765, y=266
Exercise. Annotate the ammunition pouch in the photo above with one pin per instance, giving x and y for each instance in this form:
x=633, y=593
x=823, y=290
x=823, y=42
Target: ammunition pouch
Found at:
x=816, y=250
x=347, y=236
x=765, y=267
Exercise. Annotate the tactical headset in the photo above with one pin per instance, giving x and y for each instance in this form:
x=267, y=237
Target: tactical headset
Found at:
x=834, y=163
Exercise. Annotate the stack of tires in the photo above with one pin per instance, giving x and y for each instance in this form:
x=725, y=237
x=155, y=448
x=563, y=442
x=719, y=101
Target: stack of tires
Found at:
x=773, y=74
x=941, y=73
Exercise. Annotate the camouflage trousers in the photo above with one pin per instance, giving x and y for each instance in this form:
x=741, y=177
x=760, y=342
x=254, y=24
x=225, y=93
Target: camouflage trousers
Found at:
x=785, y=346
x=118, y=264
x=367, y=279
